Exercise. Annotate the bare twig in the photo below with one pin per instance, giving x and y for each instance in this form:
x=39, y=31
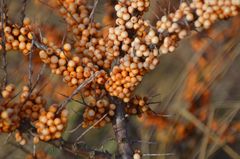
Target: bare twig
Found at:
x=187, y=115
x=215, y=147
x=158, y=154
x=75, y=100
x=7, y=139
x=22, y=13
x=30, y=67
x=74, y=129
x=46, y=4
x=34, y=150
x=80, y=150
x=205, y=141
x=91, y=16
x=40, y=45
x=39, y=76
x=146, y=142
x=90, y=128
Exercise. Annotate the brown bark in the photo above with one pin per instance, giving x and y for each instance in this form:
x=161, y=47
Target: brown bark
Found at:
x=120, y=129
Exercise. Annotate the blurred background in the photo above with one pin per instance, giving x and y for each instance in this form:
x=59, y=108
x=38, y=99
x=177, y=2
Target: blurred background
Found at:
x=195, y=91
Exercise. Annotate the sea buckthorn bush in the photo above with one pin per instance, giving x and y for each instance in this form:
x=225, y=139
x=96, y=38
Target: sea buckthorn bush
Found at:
x=103, y=62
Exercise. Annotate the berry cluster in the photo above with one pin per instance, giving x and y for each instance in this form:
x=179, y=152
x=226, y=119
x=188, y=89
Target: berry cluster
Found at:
x=140, y=50
x=137, y=106
x=18, y=38
x=127, y=49
x=101, y=111
x=125, y=41
x=30, y=110
x=74, y=69
x=89, y=43
x=71, y=67
x=197, y=15
x=8, y=91
x=9, y=119
x=121, y=57
x=209, y=11
x=50, y=125
x=98, y=113
x=33, y=103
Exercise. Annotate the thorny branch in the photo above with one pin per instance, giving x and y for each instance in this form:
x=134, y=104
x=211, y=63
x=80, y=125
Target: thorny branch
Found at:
x=76, y=149
x=119, y=124
x=80, y=150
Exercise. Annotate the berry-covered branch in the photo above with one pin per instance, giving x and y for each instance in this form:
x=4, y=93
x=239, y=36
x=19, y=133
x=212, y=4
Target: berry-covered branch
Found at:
x=118, y=58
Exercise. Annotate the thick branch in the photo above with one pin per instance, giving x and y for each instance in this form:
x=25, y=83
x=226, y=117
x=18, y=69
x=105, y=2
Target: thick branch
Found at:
x=120, y=129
